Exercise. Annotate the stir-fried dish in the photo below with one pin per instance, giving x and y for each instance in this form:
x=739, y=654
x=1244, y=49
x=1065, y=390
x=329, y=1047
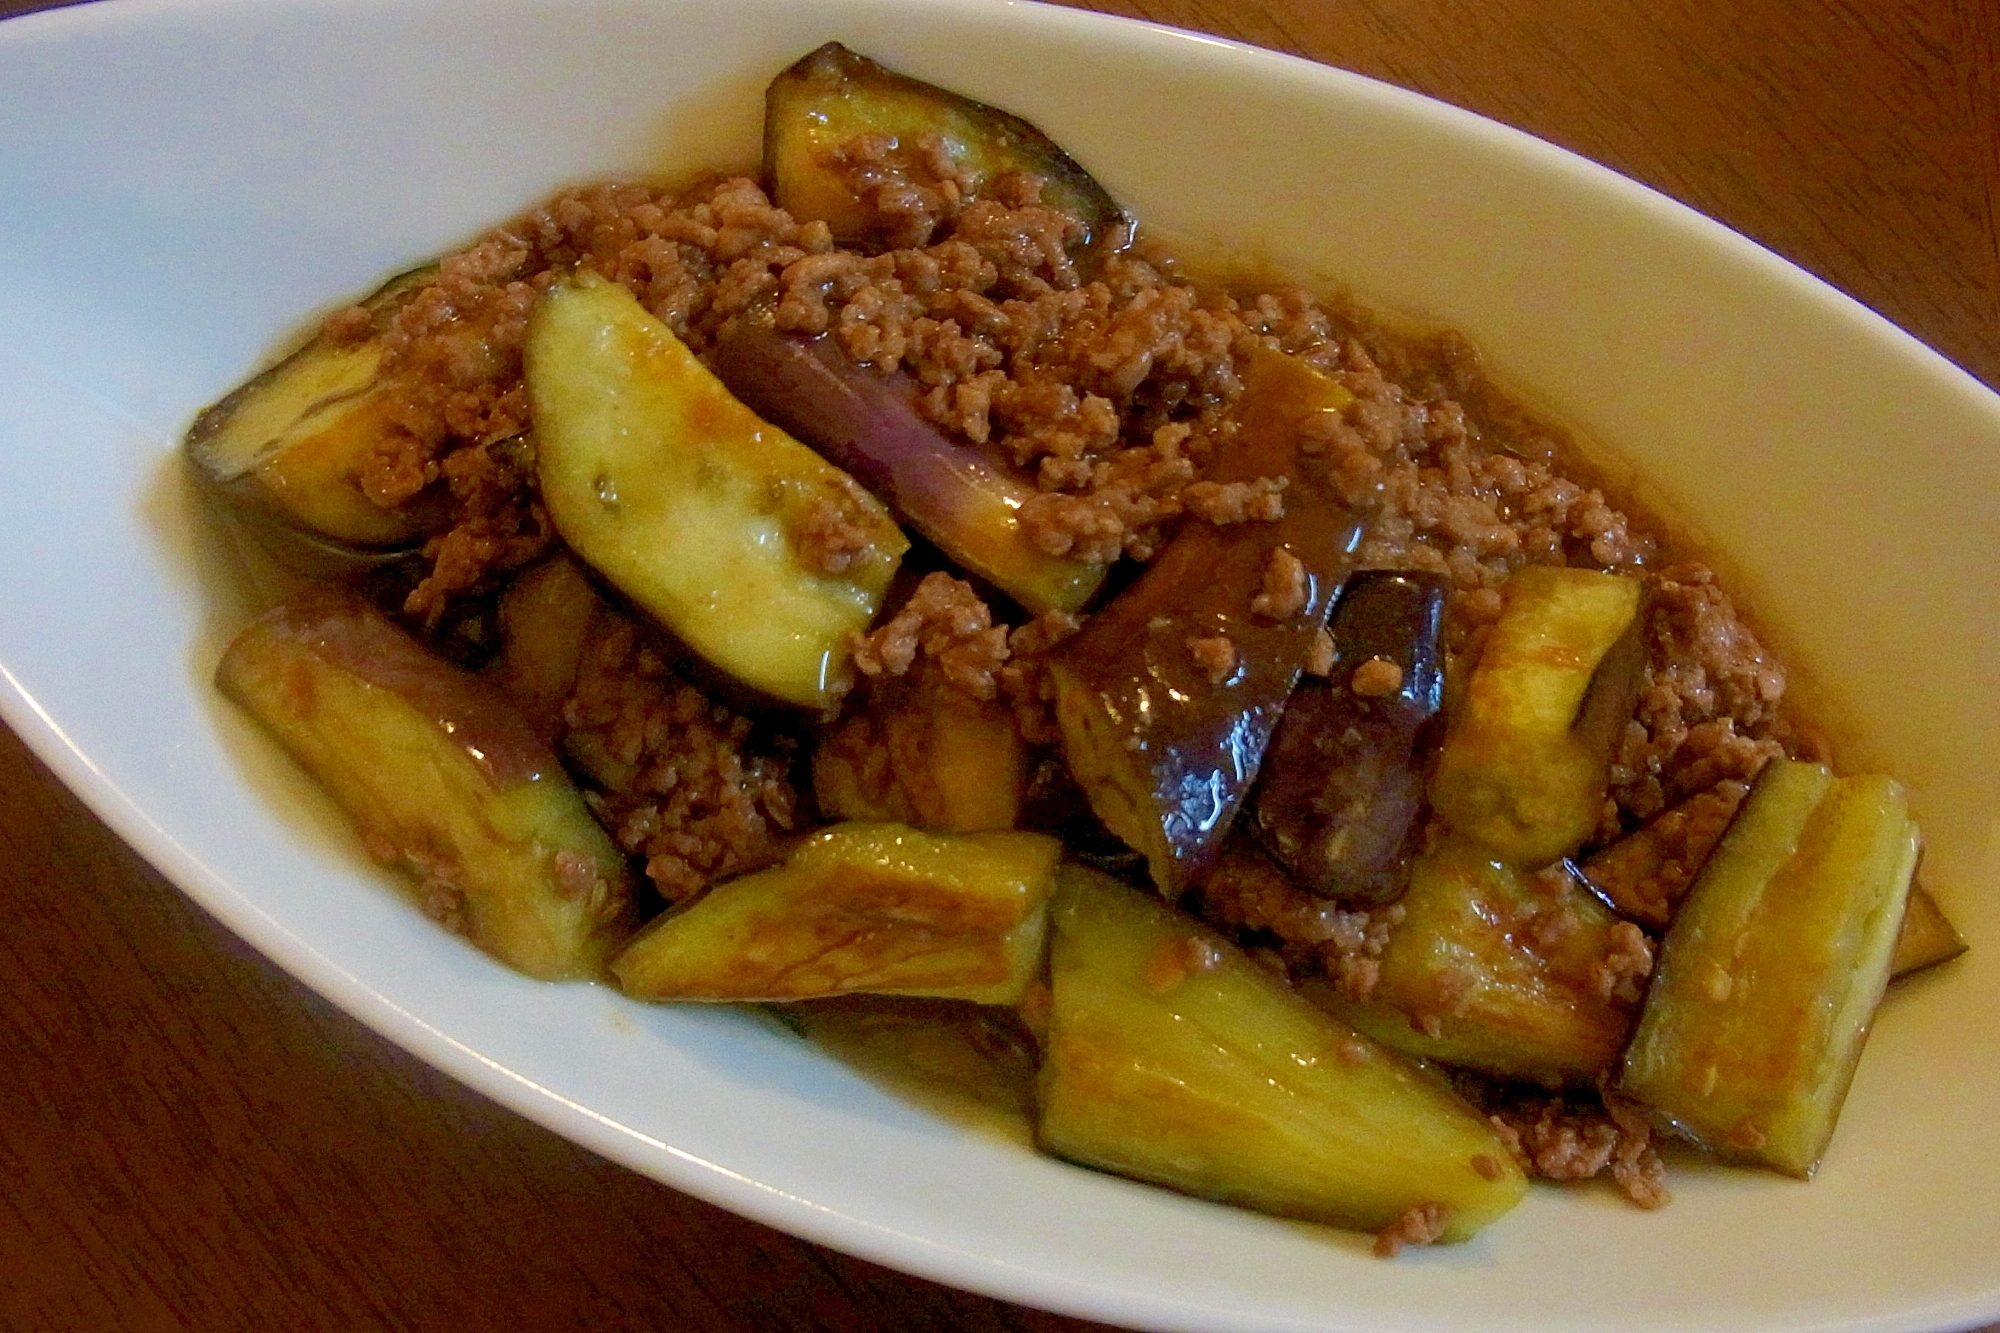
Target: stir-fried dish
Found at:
x=898, y=576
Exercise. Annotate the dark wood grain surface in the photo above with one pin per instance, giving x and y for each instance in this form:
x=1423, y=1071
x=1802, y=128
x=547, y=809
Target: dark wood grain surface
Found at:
x=190, y=1139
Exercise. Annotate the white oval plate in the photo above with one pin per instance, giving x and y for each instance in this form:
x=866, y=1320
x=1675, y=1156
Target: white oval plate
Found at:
x=181, y=180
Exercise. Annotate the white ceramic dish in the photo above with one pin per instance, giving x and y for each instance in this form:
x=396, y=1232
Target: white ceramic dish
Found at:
x=183, y=179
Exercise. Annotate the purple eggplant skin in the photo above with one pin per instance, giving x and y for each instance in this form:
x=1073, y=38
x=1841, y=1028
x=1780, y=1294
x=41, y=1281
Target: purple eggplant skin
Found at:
x=1165, y=747
x=1343, y=783
x=866, y=424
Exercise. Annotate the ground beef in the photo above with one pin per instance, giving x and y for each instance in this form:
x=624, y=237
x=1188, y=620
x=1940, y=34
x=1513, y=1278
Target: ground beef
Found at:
x=1247, y=892
x=1285, y=586
x=1024, y=681
x=676, y=777
x=1377, y=678
x=1112, y=386
x=1420, y=1224
x=1215, y=657
x=1566, y=1137
x=946, y=621
x=1621, y=974
x=1648, y=872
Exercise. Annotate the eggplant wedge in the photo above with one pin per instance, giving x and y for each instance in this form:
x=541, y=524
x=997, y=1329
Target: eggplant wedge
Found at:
x=290, y=444
x=1496, y=972
x=1646, y=873
x=1770, y=977
x=924, y=753
x=964, y=501
x=1171, y=1057
x=1343, y=784
x=758, y=553
x=878, y=909
x=1926, y=938
x=832, y=97
x=545, y=618
x=1527, y=761
x=441, y=776
x=1168, y=697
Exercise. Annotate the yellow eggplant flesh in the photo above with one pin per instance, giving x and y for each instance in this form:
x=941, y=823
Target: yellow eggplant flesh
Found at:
x=1492, y=971
x=1164, y=747
x=1775, y=963
x=931, y=756
x=693, y=507
x=832, y=97
x=1926, y=937
x=440, y=776
x=291, y=443
x=860, y=908
x=1172, y=1058
x=1526, y=763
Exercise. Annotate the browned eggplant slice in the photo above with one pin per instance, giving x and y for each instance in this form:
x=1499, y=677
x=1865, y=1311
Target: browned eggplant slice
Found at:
x=545, y=618
x=966, y=502
x=756, y=552
x=876, y=908
x=924, y=753
x=1172, y=1057
x=1927, y=937
x=1525, y=766
x=441, y=776
x=1769, y=979
x=290, y=443
x=1498, y=971
x=820, y=107
x=1343, y=784
x=1168, y=697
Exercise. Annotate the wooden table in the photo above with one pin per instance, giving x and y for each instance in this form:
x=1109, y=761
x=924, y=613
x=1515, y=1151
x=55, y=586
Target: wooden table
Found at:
x=192, y=1139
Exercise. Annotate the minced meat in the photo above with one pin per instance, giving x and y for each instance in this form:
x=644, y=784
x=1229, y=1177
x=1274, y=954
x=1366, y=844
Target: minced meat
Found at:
x=676, y=777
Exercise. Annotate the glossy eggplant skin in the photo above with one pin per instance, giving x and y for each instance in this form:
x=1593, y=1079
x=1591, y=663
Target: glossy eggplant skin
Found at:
x=1343, y=784
x=866, y=424
x=1165, y=749
x=832, y=96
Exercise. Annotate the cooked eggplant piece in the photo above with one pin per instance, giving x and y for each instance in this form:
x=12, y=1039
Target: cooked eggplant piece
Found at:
x=961, y=499
x=758, y=553
x=545, y=617
x=441, y=776
x=876, y=908
x=1343, y=784
x=1498, y=971
x=1525, y=766
x=1171, y=1057
x=1775, y=963
x=1926, y=938
x=1646, y=873
x=821, y=106
x=971, y=1062
x=924, y=753
x=1168, y=696
x=290, y=443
